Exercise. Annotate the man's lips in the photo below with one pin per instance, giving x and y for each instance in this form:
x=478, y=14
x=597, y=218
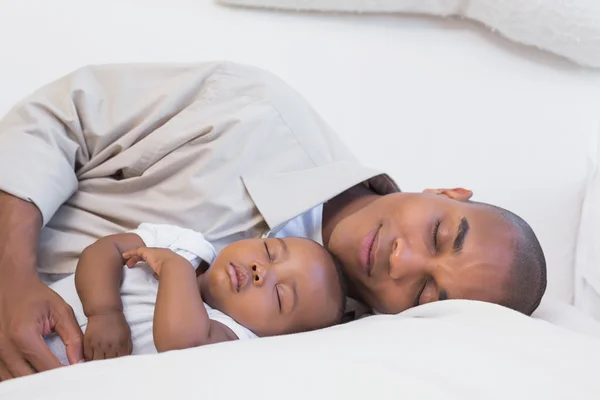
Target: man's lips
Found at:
x=367, y=250
x=238, y=275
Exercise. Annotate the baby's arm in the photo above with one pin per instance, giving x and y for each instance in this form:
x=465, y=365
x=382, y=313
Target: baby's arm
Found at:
x=180, y=318
x=98, y=280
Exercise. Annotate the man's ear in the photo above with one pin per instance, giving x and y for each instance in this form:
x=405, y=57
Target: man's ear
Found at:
x=459, y=194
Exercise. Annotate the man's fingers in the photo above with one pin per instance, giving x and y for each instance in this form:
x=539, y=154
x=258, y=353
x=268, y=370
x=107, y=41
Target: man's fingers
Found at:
x=20, y=368
x=70, y=333
x=4, y=373
x=39, y=355
x=13, y=362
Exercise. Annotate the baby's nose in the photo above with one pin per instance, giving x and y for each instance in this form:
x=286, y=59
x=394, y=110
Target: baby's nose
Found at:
x=258, y=274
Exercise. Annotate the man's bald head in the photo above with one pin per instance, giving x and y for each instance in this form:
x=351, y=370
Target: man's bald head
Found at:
x=526, y=283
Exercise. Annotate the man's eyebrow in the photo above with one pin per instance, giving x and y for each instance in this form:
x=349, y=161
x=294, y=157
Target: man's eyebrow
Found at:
x=459, y=241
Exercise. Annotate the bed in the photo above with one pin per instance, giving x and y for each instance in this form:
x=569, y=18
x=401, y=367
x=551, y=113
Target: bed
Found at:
x=436, y=103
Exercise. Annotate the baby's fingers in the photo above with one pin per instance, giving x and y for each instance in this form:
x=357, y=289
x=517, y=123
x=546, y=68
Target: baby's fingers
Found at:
x=133, y=253
x=132, y=261
x=151, y=256
x=127, y=349
x=133, y=256
x=88, y=351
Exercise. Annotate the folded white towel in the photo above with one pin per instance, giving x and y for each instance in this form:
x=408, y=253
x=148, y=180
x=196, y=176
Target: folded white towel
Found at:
x=570, y=28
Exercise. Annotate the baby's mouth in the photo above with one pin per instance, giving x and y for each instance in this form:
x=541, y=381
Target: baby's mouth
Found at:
x=239, y=276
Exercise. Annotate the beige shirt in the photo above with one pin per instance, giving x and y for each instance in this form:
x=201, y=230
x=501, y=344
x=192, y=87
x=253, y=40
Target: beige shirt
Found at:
x=227, y=150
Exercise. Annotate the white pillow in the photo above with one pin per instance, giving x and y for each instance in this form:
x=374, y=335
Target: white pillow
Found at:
x=570, y=28
x=587, y=258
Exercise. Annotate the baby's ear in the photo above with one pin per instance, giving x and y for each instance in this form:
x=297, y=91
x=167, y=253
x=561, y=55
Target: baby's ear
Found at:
x=202, y=268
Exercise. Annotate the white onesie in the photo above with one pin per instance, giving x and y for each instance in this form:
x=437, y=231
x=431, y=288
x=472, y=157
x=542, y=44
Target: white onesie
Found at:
x=139, y=289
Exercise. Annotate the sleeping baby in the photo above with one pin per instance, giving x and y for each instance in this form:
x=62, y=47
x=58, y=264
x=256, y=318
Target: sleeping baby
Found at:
x=161, y=301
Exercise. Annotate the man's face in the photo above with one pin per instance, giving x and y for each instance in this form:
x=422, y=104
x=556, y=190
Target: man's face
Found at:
x=408, y=249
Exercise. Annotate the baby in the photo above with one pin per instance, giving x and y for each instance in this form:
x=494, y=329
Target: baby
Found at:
x=255, y=287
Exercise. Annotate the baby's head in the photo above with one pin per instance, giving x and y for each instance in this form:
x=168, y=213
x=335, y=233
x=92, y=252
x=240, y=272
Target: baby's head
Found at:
x=276, y=286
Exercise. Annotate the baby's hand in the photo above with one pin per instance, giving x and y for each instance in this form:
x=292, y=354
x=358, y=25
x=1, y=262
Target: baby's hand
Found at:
x=154, y=257
x=107, y=336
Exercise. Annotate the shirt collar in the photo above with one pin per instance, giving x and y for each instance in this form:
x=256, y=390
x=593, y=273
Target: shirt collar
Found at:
x=281, y=196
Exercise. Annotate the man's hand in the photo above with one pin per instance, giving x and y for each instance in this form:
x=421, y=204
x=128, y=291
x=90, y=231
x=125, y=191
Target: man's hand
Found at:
x=156, y=258
x=107, y=336
x=30, y=310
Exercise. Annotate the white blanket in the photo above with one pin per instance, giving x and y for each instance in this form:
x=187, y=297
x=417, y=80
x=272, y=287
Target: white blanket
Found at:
x=570, y=28
x=446, y=350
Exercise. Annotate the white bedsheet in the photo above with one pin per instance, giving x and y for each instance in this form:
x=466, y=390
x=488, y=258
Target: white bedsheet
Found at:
x=446, y=350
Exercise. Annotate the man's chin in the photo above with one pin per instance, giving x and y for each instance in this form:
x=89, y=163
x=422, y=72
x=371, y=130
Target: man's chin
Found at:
x=370, y=298
x=366, y=296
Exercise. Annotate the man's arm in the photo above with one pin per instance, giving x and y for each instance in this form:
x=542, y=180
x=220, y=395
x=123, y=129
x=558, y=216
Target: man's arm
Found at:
x=39, y=140
x=20, y=226
x=25, y=300
x=180, y=318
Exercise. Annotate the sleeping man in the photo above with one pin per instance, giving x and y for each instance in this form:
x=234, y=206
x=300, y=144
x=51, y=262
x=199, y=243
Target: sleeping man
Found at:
x=234, y=153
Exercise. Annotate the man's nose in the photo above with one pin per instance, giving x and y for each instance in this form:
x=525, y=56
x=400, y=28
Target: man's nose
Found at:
x=405, y=262
x=259, y=273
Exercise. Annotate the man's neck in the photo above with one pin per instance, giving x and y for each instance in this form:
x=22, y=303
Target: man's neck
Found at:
x=343, y=205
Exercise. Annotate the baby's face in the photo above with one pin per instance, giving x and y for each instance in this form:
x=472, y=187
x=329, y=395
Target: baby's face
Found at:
x=274, y=286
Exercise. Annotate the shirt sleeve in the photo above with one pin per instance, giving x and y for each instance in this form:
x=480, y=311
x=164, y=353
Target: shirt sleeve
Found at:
x=82, y=120
x=239, y=330
x=39, y=140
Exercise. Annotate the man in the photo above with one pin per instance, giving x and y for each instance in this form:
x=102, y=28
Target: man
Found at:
x=232, y=152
